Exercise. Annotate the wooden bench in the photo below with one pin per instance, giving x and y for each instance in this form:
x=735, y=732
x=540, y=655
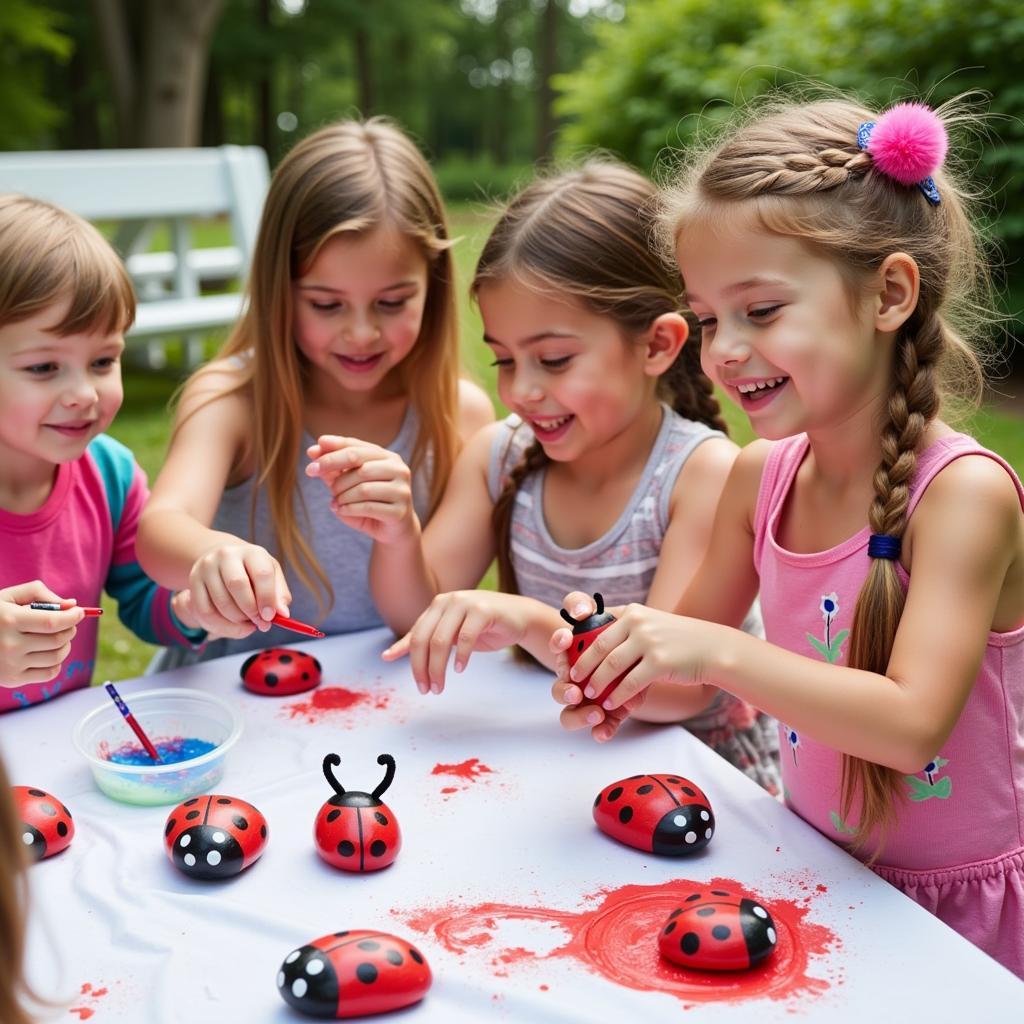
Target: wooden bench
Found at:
x=140, y=189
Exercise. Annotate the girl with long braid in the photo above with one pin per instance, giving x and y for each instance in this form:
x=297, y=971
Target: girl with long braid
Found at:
x=833, y=268
x=608, y=472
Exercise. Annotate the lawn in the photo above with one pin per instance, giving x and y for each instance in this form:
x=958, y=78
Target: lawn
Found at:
x=144, y=421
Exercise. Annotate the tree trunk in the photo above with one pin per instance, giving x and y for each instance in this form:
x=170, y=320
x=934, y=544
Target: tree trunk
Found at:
x=176, y=52
x=264, y=97
x=364, y=71
x=548, y=50
x=115, y=41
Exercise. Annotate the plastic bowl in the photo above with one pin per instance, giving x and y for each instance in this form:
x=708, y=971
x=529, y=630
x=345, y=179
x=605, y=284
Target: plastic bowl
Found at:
x=164, y=714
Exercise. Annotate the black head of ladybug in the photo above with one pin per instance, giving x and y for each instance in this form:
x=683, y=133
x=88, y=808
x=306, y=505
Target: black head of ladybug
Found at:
x=591, y=622
x=352, y=797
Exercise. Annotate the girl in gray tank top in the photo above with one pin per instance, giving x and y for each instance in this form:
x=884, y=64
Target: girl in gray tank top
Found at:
x=607, y=475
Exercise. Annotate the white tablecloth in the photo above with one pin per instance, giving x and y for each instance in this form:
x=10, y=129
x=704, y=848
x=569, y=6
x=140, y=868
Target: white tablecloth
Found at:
x=503, y=881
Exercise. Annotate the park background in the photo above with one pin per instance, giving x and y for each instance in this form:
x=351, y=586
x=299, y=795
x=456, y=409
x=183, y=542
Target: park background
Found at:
x=493, y=90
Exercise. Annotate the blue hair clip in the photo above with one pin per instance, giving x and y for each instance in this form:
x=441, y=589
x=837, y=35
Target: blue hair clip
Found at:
x=883, y=545
x=926, y=185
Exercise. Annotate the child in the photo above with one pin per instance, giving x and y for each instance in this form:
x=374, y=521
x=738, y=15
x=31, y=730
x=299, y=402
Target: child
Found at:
x=828, y=258
x=615, y=452
x=70, y=497
x=350, y=330
x=13, y=902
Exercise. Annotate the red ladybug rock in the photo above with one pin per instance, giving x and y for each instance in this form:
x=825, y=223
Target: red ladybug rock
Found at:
x=280, y=672
x=214, y=836
x=354, y=831
x=348, y=974
x=46, y=825
x=716, y=930
x=584, y=633
x=663, y=814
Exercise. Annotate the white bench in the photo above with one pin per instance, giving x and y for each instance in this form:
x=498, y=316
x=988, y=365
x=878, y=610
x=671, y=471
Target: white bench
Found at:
x=142, y=188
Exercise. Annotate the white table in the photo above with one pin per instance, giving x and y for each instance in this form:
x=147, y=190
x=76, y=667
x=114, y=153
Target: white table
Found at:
x=119, y=932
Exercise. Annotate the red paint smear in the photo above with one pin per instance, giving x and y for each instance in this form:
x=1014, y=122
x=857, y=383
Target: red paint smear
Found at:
x=325, y=702
x=618, y=940
x=450, y=789
x=471, y=769
x=84, y=1013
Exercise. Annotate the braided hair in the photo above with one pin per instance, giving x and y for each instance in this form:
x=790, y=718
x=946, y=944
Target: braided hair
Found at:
x=587, y=234
x=801, y=170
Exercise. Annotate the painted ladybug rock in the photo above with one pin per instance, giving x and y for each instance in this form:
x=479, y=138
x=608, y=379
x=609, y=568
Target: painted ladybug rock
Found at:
x=584, y=633
x=214, y=836
x=716, y=930
x=350, y=974
x=663, y=814
x=46, y=825
x=280, y=672
x=355, y=831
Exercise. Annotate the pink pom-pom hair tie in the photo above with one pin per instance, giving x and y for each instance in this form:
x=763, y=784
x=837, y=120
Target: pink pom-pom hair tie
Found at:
x=908, y=144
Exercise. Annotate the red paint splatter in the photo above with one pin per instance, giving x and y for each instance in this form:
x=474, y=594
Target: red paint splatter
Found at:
x=84, y=1013
x=328, y=703
x=89, y=993
x=471, y=769
x=617, y=939
x=450, y=789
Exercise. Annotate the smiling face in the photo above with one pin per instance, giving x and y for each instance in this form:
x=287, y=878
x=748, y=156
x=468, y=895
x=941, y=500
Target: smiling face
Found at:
x=56, y=393
x=359, y=306
x=781, y=333
x=568, y=372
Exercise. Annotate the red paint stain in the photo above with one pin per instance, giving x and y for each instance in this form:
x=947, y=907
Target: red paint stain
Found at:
x=327, y=702
x=88, y=992
x=617, y=939
x=84, y=1013
x=471, y=769
x=450, y=789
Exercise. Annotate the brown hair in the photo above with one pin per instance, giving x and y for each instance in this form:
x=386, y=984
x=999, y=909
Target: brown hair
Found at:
x=49, y=255
x=13, y=901
x=799, y=169
x=587, y=234
x=349, y=177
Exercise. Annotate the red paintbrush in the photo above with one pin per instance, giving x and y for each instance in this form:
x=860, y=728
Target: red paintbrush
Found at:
x=130, y=719
x=296, y=626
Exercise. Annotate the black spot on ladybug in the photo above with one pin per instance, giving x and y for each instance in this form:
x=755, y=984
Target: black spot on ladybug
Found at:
x=62, y=829
x=345, y=848
x=285, y=659
x=579, y=647
x=223, y=799
x=381, y=819
x=718, y=892
x=239, y=822
x=189, y=803
x=705, y=911
x=689, y=943
x=341, y=934
x=332, y=815
x=614, y=794
x=369, y=945
x=625, y=814
x=720, y=931
x=317, y=663
x=191, y=815
x=263, y=831
x=248, y=661
x=672, y=779
x=305, y=675
x=394, y=957
x=695, y=896
x=416, y=955
x=597, y=799
x=36, y=792
x=675, y=913
x=366, y=973
x=670, y=928
x=270, y=679
x=645, y=789
x=170, y=826
x=377, y=848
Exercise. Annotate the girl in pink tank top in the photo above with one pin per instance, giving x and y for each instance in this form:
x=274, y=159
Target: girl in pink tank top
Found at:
x=827, y=256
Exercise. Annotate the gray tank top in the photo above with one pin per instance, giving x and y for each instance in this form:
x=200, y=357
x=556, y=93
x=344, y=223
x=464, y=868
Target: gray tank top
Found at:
x=620, y=564
x=343, y=553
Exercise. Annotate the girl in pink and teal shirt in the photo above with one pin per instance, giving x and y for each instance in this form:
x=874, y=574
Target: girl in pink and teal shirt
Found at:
x=832, y=265
x=70, y=497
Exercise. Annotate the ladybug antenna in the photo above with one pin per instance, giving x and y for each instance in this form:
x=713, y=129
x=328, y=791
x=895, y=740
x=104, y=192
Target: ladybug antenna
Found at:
x=568, y=618
x=389, y=774
x=599, y=601
x=332, y=761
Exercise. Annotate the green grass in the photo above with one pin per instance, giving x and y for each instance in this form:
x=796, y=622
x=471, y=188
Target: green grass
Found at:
x=143, y=423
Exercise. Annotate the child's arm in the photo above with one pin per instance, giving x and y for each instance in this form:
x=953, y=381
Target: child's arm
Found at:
x=34, y=643
x=966, y=545
x=235, y=586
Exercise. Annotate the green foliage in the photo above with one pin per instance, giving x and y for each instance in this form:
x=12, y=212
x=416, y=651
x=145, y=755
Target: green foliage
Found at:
x=480, y=179
x=27, y=33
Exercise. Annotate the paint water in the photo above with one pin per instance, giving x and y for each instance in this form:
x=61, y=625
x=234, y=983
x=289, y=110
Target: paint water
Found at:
x=171, y=751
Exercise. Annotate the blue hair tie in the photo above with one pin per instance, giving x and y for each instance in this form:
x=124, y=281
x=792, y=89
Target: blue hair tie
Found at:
x=882, y=545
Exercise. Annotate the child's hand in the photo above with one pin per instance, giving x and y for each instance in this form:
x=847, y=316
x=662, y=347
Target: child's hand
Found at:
x=371, y=486
x=236, y=588
x=468, y=620
x=181, y=603
x=34, y=643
